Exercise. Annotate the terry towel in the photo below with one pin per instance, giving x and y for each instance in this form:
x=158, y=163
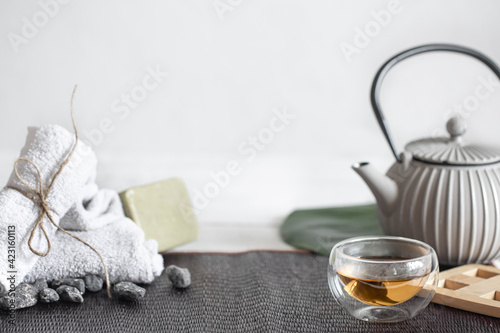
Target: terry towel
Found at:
x=47, y=147
x=119, y=241
x=99, y=220
x=96, y=216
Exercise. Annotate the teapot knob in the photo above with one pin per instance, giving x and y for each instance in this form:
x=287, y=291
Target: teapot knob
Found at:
x=456, y=126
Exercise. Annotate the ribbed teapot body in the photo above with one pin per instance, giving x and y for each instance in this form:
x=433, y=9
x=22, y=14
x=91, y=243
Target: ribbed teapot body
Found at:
x=454, y=209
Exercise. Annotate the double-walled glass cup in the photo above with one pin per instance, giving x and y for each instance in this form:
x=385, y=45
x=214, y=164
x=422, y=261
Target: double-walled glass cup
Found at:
x=383, y=278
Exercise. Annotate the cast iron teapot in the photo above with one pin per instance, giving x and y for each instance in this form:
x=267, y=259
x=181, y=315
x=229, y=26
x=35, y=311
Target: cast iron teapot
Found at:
x=442, y=190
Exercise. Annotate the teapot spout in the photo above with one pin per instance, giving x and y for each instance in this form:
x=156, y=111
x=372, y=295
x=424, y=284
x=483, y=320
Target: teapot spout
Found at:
x=384, y=188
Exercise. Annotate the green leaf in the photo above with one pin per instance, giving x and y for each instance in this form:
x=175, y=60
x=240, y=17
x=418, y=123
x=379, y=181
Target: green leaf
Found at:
x=318, y=230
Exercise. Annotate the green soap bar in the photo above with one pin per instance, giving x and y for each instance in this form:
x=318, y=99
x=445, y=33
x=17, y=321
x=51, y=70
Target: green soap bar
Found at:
x=164, y=212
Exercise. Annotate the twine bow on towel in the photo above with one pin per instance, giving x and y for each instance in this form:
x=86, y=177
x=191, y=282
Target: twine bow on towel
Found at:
x=39, y=197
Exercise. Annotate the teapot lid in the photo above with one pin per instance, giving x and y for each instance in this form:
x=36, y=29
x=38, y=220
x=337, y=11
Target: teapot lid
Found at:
x=451, y=150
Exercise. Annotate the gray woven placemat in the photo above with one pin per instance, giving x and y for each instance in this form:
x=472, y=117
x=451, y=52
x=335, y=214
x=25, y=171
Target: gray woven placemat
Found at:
x=248, y=292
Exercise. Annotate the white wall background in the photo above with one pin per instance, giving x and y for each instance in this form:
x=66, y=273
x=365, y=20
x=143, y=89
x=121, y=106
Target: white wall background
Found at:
x=227, y=73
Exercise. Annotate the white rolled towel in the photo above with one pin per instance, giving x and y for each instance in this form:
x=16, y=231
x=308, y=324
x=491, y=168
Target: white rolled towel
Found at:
x=47, y=147
x=121, y=244
x=98, y=219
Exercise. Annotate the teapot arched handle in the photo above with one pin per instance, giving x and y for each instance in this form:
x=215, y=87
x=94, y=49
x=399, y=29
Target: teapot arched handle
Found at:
x=382, y=72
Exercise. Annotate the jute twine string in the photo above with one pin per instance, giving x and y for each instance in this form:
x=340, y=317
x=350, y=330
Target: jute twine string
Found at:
x=39, y=197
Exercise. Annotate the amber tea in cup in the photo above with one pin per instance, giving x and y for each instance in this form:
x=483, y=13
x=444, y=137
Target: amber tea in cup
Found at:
x=383, y=278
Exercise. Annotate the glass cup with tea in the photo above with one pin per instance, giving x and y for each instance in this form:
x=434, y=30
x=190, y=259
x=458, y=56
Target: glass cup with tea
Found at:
x=383, y=278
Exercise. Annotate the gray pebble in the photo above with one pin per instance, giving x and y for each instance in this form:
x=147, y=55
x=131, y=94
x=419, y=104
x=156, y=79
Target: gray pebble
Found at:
x=48, y=295
x=93, y=282
x=77, y=283
x=129, y=291
x=180, y=277
x=70, y=294
x=25, y=295
x=40, y=284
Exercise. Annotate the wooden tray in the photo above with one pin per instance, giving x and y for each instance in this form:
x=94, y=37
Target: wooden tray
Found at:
x=474, y=288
